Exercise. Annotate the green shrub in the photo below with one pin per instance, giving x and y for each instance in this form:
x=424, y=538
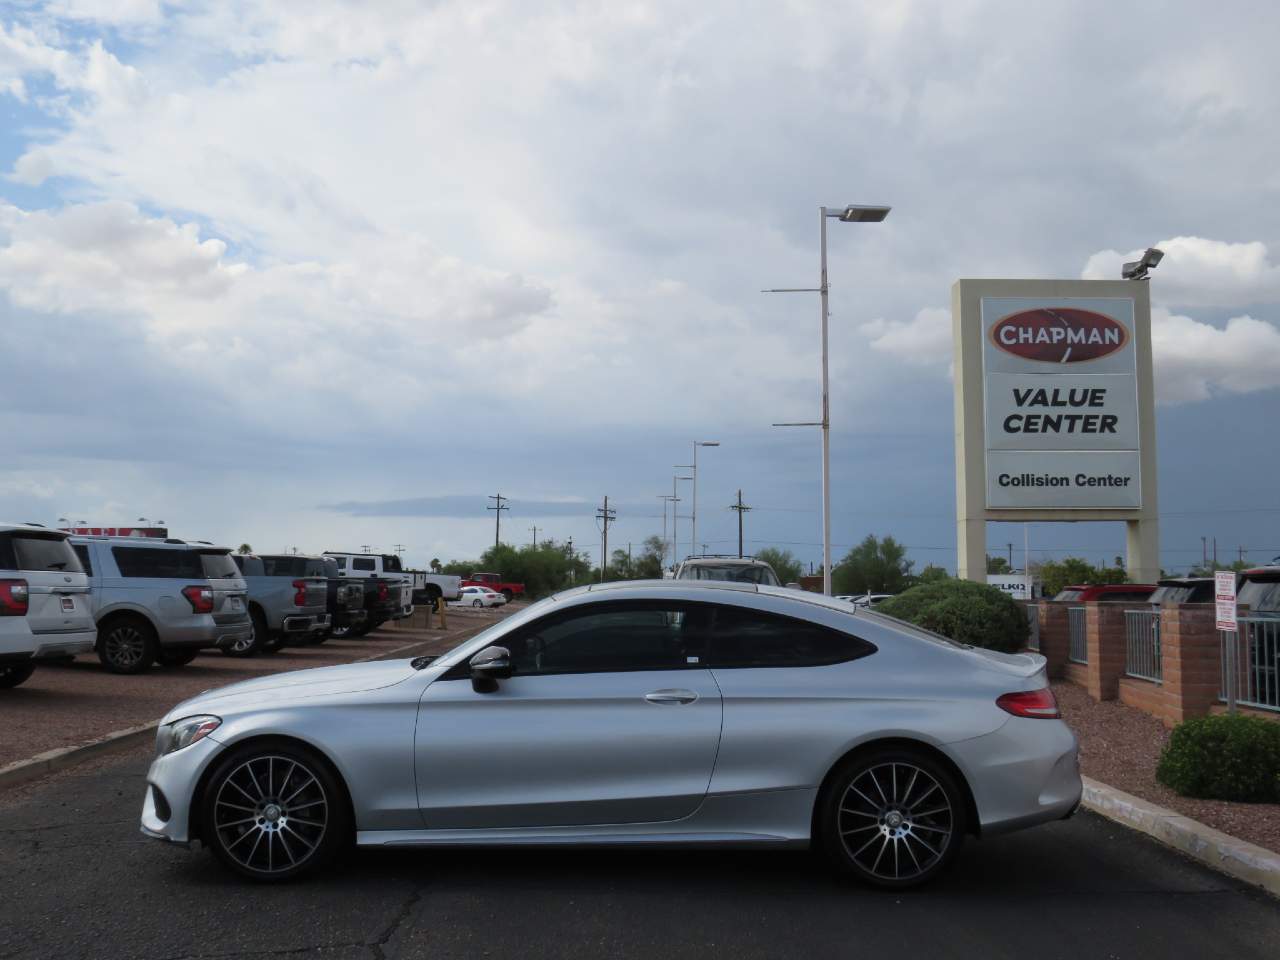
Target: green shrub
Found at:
x=964, y=611
x=1223, y=758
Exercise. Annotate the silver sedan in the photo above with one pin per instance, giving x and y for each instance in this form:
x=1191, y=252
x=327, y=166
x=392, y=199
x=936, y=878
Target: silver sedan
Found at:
x=653, y=713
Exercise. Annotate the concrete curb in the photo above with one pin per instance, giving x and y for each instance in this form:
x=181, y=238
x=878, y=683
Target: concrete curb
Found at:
x=1213, y=848
x=51, y=761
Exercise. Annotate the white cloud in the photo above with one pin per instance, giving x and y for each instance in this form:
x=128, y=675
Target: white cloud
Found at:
x=1194, y=361
x=924, y=340
x=1197, y=272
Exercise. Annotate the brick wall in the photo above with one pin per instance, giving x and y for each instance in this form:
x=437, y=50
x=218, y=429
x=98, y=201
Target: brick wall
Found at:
x=1053, y=636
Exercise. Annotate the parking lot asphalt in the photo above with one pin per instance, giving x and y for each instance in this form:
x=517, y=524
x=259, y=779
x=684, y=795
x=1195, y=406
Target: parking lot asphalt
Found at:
x=67, y=704
x=78, y=880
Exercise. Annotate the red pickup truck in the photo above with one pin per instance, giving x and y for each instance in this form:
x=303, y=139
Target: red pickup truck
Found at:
x=512, y=591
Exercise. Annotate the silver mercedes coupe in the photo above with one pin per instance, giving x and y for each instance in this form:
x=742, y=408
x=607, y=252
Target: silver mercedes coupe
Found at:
x=649, y=713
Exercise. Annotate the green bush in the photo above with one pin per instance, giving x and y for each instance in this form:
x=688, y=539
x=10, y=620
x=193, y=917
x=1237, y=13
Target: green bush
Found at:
x=964, y=611
x=1223, y=758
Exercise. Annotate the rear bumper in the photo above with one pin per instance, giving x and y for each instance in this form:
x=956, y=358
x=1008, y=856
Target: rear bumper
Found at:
x=1025, y=773
x=207, y=634
x=308, y=623
x=65, y=644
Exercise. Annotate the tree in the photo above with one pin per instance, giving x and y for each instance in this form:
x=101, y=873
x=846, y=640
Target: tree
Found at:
x=997, y=564
x=244, y=548
x=932, y=574
x=784, y=563
x=435, y=565
x=873, y=566
x=1056, y=574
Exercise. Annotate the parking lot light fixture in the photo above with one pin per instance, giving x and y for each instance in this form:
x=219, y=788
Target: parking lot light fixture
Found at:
x=848, y=213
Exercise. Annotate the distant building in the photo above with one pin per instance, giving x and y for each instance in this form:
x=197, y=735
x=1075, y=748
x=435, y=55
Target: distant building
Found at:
x=156, y=533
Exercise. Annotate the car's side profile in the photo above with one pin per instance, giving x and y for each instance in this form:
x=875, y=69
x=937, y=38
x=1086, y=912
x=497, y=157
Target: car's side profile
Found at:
x=651, y=713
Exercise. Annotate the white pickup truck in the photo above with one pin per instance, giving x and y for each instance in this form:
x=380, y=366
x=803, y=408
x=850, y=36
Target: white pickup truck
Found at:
x=417, y=586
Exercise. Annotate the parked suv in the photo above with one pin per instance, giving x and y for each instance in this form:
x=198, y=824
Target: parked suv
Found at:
x=161, y=600
x=1183, y=590
x=1260, y=591
x=44, y=601
x=739, y=569
x=1125, y=592
x=288, y=599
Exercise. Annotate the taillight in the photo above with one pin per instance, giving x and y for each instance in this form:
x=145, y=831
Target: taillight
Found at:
x=300, y=598
x=1030, y=703
x=200, y=598
x=383, y=593
x=14, y=596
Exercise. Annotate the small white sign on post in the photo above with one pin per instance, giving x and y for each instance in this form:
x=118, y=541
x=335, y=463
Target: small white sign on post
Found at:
x=1224, y=595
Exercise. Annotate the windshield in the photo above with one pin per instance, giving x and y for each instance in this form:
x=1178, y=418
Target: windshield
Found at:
x=1261, y=596
x=731, y=572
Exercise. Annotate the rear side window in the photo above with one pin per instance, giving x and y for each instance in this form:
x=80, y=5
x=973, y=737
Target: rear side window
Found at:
x=82, y=551
x=38, y=553
x=754, y=638
x=363, y=563
x=1068, y=595
x=330, y=567
x=314, y=568
x=1260, y=595
x=392, y=564
x=219, y=565
x=283, y=566
x=153, y=562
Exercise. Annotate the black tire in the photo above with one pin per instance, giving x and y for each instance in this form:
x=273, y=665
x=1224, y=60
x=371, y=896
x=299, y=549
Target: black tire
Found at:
x=252, y=644
x=267, y=641
x=894, y=803
x=175, y=658
x=508, y=594
x=127, y=645
x=304, y=820
x=14, y=674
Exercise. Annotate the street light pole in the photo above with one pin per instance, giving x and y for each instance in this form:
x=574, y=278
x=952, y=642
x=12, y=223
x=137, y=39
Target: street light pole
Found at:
x=675, y=512
x=852, y=213
x=693, y=535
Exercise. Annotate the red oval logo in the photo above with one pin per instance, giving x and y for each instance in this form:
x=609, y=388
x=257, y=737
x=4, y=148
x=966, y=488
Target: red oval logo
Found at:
x=1059, y=335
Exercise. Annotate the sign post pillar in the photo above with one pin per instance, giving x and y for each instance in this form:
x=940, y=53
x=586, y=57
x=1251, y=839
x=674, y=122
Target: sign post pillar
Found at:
x=1224, y=601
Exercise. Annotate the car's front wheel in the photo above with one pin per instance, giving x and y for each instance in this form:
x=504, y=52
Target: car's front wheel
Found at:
x=274, y=811
x=893, y=818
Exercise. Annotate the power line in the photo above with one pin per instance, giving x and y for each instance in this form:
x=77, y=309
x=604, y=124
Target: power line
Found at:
x=739, y=508
x=607, y=516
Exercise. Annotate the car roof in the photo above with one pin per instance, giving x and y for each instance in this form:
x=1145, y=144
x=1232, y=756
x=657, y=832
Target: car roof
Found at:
x=150, y=542
x=31, y=528
x=1262, y=573
x=719, y=561
x=1184, y=581
x=707, y=590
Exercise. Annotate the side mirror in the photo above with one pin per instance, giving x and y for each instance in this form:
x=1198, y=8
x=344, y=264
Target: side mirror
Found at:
x=488, y=667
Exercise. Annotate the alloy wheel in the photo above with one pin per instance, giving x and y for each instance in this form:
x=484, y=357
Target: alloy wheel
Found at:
x=895, y=821
x=271, y=814
x=125, y=645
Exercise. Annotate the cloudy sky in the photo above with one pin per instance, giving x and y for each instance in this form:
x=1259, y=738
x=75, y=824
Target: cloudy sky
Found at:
x=327, y=274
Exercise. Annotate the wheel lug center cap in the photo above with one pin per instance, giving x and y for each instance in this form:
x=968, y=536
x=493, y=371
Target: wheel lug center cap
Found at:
x=272, y=812
x=893, y=819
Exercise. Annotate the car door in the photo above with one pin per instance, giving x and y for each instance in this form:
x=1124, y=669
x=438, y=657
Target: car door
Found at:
x=611, y=716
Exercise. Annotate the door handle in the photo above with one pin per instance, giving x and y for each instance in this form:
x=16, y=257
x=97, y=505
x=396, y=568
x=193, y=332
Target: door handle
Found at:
x=671, y=696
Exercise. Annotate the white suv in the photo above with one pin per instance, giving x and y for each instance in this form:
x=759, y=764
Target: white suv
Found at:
x=733, y=569
x=44, y=600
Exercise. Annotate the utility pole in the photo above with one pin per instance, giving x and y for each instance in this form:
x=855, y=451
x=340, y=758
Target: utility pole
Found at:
x=399, y=548
x=1010, y=546
x=628, y=556
x=607, y=516
x=535, y=536
x=1204, y=553
x=1215, y=553
x=569, y=549
x=740, y=508
x=1241, y=548
x=364, y=547
x=497, y=514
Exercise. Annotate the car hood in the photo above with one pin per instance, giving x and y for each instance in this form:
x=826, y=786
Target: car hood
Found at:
x=296, y=685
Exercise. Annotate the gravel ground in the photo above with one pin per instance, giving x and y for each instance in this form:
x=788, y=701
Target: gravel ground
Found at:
x=1120, y=746
x=65, y=705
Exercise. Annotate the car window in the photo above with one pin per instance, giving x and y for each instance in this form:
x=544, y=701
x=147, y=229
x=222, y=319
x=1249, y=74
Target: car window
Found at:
x=82, y=551
x=341, y=562
x=1067, y=595
x=1260, y=595
x=330, y=567
x=283, y=566
x=753, y=638
x=39, y=553
x=153, y=562
x=362, y=563
x=612, y=638
x=731, y=572
x=392, y=564
x=314, y=568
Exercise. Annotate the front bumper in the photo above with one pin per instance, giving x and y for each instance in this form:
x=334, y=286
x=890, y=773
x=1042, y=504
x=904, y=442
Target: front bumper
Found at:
x=171, y=784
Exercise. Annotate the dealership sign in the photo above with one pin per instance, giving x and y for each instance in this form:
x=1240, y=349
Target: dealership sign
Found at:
x=1060, y=401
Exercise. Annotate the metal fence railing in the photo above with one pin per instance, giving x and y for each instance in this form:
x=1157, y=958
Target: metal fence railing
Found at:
x=1142, y=644
x=1078, y=646
x=1254, y=661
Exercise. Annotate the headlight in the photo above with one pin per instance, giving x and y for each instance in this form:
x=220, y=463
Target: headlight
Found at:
x=184, y=732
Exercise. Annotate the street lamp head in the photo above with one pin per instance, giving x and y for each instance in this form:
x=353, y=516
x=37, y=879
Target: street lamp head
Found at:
x=708, y=443
x=859, y=212
x=1138, y=269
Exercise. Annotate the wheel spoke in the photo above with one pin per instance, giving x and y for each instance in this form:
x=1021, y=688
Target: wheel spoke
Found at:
x=893, y=783
x=906, y=842
x=247, y=833
x=309, y=823
x=920, y=799
x=242, y=789
x=257, y=786
x=271, y=849
x=287, y=850
x=871, y=803
x=236, y=806
x=270, y=772
x=310, y=803
x=309, y=782
x=299, y=837
x=922, y=826
x=284, y=783
x=924, y=844
x=236, y=823
x=935, y=811
x=915, y=773
x=249, y=861
x=873, y=826
x=879, y=789
x=883, y=847
x=859, y=813
x=864, y=846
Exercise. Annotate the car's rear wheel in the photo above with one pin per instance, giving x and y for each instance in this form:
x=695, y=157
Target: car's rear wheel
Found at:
x=508, y=594
x=274, y=811
x=13, y=674
x=175, y=658
x=127, y=645
x=893, y=818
